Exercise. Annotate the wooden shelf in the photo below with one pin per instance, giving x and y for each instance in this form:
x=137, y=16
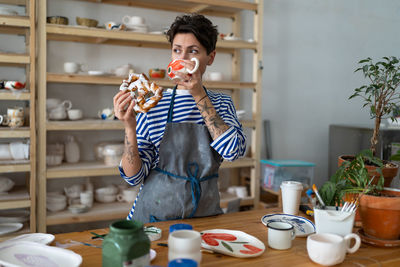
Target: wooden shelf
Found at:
x=223, y=8
x=8, y=95
x=10, y=58
x=96, y=168
x=84, y=125
x=26, y=167
x=15, y=204
x=85, y=168
x=15, y=21
x=115, y=80
x=22, y=132
x=128, y=38
x=13, y=2
x=105, y=211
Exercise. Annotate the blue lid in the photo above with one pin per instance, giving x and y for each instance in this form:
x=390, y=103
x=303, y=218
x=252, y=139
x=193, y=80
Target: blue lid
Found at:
x=182, y=262
x=287, y=163
x=179, y=226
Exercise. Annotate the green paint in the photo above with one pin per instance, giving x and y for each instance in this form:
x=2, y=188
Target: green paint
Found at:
x=227, y=246
x=126, y=243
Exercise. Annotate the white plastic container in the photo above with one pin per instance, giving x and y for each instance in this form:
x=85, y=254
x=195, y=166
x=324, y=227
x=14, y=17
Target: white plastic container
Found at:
x=333, y=221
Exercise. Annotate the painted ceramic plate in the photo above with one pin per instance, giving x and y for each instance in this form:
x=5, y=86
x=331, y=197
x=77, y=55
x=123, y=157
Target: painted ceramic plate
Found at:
x=232, y=243
x=40, y=238
x=32, y=254
x=302, y=226
x=6, y=228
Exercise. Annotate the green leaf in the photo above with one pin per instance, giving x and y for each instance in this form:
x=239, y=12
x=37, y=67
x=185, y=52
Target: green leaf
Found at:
x=227, y=246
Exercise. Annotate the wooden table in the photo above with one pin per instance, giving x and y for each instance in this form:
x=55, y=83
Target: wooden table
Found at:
x=249, y=222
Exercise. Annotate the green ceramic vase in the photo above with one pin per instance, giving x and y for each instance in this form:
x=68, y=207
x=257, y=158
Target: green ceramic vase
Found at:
x=126, y=245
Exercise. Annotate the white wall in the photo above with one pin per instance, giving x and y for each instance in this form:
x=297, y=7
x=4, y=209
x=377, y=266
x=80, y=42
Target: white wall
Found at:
x=311, y=49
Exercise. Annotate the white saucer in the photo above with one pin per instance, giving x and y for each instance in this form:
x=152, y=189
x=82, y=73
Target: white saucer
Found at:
x=40, y=238
x=302, y=226
x=6, y=228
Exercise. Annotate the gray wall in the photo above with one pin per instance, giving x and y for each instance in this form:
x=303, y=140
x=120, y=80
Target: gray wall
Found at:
x=311, y=49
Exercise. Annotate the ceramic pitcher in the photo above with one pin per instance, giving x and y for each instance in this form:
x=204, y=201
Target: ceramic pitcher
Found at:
x=72, y=152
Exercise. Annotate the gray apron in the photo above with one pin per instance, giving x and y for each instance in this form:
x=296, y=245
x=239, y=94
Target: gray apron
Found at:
x=184, y=183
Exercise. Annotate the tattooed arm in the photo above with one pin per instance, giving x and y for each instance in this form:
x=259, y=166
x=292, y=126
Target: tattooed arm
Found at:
x=216, y=126
x=131, y=161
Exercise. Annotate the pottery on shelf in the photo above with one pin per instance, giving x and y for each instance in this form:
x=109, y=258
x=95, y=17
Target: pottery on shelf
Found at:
x=72, y=152
x=6, y=184
x=86, y=22
x=57, y=20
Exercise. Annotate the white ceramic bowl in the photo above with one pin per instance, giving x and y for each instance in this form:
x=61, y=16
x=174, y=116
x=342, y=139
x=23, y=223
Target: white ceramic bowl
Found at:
x=55, y=149
x=105, y=198
x=55, y=206
x=17, y=150
x=78, y=208
x=53, y=160
x=5, y=152
x=56, y=198
x=109, y=190
x=74, y=114
x=6, y=184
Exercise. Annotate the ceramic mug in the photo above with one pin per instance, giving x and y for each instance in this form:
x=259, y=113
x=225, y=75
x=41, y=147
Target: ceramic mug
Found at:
x=176, y=70
x=15, y=112
x=184, y=244
x=4, y=120
x=330, y=249
x=16, y=122
x=128, y=195
x=133, y=20
x=74, y=114
x=111, y=25
x=86, y=198
x=280, y=235
x=74, y=67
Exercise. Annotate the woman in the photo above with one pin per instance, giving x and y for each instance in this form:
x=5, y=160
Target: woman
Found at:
x=176, y=148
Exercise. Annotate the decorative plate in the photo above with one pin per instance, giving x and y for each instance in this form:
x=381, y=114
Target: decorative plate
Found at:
x=232, y=243
x=40, y=238
x=33, y=254
x=302, y=226
x=6, y=228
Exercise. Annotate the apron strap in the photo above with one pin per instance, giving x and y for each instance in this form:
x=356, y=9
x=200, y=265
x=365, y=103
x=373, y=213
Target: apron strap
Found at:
x=171, y=104
x=192, y=172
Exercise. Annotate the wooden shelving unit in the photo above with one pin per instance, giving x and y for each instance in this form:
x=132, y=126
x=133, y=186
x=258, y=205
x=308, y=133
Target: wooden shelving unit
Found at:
x=48, y=32
x=25, y=196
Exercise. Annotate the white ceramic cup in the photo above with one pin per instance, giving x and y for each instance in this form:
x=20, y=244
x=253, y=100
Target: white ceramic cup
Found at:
x=87, y=198
x=15, y=112
x=241, y=191
x=280, y=235
x=133, y=20
x=330, y=249
x=74, y=67
x=184, y=244
x=291, y=195
x=74, y=114
x=128, y=195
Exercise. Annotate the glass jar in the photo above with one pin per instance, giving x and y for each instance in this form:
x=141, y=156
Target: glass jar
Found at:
x=126, y=245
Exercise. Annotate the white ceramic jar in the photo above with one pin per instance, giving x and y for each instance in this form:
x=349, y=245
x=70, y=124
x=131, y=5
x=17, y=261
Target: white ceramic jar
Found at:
x=72, y=152
x=184, y=244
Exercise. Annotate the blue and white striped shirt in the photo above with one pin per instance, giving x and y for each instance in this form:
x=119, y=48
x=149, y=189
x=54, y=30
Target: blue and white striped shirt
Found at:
x=151, y=125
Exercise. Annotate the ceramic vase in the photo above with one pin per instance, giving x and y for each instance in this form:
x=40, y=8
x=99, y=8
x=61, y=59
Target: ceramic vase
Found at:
x=72, y=153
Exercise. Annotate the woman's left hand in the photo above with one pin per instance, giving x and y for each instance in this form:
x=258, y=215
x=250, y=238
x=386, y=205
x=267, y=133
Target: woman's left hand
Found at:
x=192, y=82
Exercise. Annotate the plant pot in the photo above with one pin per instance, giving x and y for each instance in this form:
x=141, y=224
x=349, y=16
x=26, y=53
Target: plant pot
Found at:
x=380, y=215
x=388, y=172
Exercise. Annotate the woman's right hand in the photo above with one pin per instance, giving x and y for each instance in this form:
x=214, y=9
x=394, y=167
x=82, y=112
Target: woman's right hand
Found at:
x=123, y=108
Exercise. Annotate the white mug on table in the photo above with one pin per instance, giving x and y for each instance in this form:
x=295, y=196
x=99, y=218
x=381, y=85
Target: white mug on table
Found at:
x=330, y=249
x=280, y=235
x=74, y=67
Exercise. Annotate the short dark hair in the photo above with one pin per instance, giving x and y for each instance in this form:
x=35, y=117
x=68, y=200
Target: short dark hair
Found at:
x=201, y=27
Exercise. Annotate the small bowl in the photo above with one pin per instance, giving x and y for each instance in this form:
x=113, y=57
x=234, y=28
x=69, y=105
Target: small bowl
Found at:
x=56, y=206
x=54, y=160
x=157, y=73
x=109, y=190
x=78, y=208
x=6, y=184
x=57, y=20
x=105, y=198
x=86, y=22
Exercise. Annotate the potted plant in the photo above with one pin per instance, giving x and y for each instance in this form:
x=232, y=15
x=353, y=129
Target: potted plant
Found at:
x=379, y=207
x=380, y=95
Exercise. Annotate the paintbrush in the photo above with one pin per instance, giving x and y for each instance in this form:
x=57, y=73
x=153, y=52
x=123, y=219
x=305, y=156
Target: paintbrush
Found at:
x=318, y=196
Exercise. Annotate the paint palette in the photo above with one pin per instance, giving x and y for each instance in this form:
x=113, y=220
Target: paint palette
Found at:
x=232, y=243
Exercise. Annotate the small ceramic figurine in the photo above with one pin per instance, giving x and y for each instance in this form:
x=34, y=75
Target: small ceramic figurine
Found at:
x=106, y=114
